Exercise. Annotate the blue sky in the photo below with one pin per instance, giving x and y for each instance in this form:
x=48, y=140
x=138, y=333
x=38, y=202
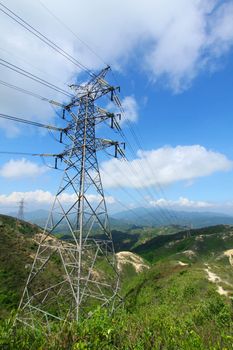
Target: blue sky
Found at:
x=173, y=61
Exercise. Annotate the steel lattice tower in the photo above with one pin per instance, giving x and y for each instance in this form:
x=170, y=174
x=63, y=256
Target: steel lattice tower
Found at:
x=66, y=281
x=20, y=215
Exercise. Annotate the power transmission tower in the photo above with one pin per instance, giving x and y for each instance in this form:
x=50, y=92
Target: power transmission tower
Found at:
x=67, y=280
x=20, y=215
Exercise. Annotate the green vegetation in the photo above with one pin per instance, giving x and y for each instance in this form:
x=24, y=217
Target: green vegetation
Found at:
x=171, y=306
x=168, y=307
x=205, y=243
x=16, y=249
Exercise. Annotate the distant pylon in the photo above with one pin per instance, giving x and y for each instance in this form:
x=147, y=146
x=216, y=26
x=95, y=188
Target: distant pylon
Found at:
x=20, y=215
x=67, y=280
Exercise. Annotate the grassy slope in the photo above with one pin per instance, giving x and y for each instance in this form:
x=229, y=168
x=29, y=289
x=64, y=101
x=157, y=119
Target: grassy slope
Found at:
x=167, y=307
x=17, y=252
x=16, y=247
x=206, y=245
x=205, y=242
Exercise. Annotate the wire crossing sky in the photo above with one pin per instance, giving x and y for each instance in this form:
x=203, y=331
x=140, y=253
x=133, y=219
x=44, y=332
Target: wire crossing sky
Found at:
x=173, y=61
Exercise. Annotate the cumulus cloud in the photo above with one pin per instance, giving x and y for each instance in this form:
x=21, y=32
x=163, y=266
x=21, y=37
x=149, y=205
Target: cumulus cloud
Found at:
x=165, y=165
x=175, y=41
x=21, y=168
x=40, y=198
x=130, y=110
x=182, y=203
x=130, y=107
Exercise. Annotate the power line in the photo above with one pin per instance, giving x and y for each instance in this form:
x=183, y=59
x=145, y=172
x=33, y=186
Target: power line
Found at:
x=130, y=194
x=29, y=63
x=43, y=38
x=29, y=75
x=30, y=93
x=133, y=152
x=131, y=210
x=32, y=154
x=25, y=121
x=72, y=32
x=117, y=101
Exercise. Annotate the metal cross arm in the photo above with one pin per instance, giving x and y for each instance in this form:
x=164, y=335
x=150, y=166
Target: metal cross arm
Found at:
x=105, y=115
x=101, y=144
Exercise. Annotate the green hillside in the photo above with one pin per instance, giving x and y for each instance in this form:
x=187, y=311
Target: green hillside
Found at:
x=209, y=248
x=16, y=250
x=180, y=299
x=205, y=243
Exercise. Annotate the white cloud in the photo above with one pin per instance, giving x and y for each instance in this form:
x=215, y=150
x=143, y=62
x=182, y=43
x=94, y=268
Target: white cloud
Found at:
x=40, y=198
x=21, y=168
x=182, y=203
x=165, y=165
x=174, y=41
x=130, y=107
x=221, y=25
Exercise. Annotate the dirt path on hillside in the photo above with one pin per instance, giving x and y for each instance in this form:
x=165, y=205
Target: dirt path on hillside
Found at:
x=214, y=278
x=229, y=254
x=132, y=259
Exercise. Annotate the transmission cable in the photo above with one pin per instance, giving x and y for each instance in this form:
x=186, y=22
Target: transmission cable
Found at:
x=31, y=154
x=25, y=121
x=130, y=195
x=133, y=170
x=43, y=38
x=29, y=75
x=119, y=104
x=30, y=93
x=130, y=209
x=29, y=63
x=72, y=32
x=133, y=152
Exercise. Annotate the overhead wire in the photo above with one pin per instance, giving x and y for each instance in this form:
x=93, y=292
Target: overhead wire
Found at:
x=43, y=38
x=141, y=191
x=157, y=187
x=29, y=154
x=138, y=138
x=166, y=212
x=151, y=191
x=29, y=63
x=142, y=218
x=135, y=200
x=134, y=170
x=34, y=77
x=30, y=93
x=147, y=189
x=30, y=122
x=170, y=210
x=58, y=19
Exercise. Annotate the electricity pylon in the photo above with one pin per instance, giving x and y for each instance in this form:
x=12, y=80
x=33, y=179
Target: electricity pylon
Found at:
x=67, y=280
x=20, y=215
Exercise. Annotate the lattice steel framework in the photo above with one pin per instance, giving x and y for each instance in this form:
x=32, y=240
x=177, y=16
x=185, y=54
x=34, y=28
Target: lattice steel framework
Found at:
x=20, y=215
x=67, y=280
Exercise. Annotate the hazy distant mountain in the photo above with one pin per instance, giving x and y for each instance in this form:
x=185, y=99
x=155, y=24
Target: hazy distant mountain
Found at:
x=144, y=217
x=156, y=217
x=37, y=217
